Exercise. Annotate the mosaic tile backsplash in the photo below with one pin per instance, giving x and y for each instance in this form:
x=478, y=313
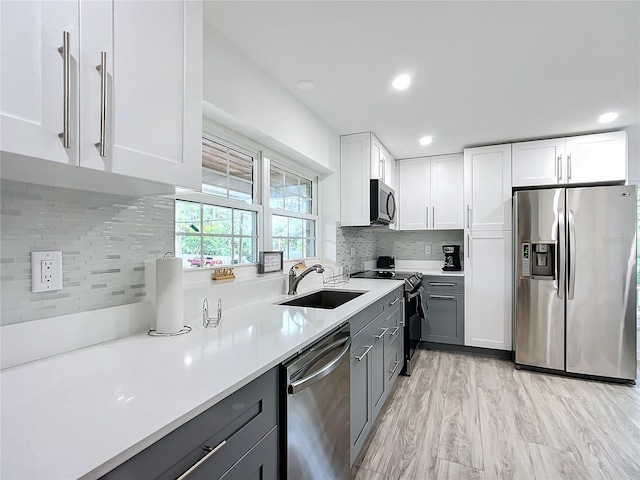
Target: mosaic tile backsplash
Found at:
x=370, y=243
x=410, y=245
x=362, y=239
x=104, y=240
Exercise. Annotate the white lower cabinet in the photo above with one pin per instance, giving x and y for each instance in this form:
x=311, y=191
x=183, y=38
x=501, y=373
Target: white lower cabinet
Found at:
x=488, y=287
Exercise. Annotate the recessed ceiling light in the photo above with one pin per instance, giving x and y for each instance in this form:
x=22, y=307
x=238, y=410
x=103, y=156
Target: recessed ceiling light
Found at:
x=425, y=140
x=306, y=85
x=401, y=82
x=607, y=117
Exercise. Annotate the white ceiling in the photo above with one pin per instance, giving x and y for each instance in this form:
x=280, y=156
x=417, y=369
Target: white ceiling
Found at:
x=483, y=72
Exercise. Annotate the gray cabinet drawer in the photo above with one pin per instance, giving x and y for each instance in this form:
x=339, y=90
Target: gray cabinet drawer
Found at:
x=446, y=285
x=240, y=420
x=260, y=463
x=386, y=304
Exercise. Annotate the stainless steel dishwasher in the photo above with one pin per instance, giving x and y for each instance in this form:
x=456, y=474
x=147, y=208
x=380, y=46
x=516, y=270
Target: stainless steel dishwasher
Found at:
x=318, y=409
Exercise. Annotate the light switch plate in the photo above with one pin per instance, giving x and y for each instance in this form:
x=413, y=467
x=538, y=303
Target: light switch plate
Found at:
x=46, y=271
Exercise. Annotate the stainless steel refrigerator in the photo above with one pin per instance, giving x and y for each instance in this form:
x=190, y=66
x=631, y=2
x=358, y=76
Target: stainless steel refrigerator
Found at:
x=575, y=280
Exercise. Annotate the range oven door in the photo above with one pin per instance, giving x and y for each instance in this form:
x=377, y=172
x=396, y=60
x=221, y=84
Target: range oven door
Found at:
x=412, y=330
x=383, y=203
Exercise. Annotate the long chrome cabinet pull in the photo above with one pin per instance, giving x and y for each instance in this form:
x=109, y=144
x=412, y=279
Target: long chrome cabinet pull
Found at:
x=442, y=284
x=569, y=167
x=559, y=168
x=443, y=297
x=65, y=50
x=468, y=246
x=427, y=210
x=468, y=216
x=212, y=451
x=395, y=368
x=384, y=332
x=359, y=358
x=394, y=302
x=395, y=330
x=102, y=68
x=433, y=216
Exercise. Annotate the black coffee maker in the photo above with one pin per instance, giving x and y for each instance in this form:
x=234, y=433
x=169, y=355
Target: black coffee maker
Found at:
x=451, y=258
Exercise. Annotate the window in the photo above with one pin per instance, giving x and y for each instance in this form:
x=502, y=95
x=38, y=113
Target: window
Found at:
x=211, y=235
x=227, y=172
x=293, y=219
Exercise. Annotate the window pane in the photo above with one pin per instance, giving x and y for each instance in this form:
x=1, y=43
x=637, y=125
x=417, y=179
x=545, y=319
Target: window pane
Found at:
x=276, y=202
x=218, y=250
x=292, y=204
x=245, y=223
x=305, y=205
x=309, y=228
x=280, y=244
x=305, y=187
x=216, y=220
x=290, y=192
x=187, y=217
x=188, y=248
x=295, y=249
x=295, y=227
x=291, y=183
x=279, y=225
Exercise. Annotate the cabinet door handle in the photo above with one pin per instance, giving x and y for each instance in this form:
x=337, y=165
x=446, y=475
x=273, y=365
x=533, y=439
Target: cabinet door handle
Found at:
x=393, y=333
x=212, y=451
x=65, y=50
x=442, y=284
x=395, y=367
x=559, y=169
x=433, y=216
x=102, y=68
x=443, y=297
x=384, y=332
x=394, y=302
x=468, y=246
x=427, y=210
x=359, y=358
x=569, y=167
x=468, y=216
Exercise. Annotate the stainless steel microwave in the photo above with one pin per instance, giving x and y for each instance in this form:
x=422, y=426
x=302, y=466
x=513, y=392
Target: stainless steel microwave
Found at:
x=383, y=203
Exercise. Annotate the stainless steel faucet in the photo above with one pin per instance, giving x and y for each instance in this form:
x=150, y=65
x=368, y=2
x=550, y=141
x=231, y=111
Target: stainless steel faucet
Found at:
x=294, y=280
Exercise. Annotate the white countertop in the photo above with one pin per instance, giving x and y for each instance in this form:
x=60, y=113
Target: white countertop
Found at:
x=82, y=413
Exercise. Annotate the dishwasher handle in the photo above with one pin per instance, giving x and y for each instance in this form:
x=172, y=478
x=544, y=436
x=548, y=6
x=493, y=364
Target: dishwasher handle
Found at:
x=305, y=382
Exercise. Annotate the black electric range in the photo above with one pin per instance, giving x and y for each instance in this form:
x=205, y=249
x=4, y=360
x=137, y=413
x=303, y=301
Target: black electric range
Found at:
x=412, y=321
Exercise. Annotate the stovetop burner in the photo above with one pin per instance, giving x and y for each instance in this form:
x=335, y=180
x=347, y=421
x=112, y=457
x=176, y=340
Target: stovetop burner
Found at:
x=411, y=280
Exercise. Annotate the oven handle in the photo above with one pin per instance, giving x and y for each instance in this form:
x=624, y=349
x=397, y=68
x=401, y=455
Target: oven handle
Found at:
x=411, y=296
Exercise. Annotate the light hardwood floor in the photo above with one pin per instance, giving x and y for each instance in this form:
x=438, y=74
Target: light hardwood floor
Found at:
x=466, y=417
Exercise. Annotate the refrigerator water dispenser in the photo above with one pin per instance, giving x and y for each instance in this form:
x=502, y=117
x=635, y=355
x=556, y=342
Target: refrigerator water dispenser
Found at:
x=544, y=261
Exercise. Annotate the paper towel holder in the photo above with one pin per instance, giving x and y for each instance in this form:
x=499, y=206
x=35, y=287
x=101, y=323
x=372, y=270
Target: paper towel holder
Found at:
x=182, y=331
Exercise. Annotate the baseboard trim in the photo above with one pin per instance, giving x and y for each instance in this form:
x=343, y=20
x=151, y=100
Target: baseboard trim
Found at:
x=482, y=352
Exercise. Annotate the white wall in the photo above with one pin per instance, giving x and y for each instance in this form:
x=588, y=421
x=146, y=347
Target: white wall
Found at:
x=234, y=85
x=241, y=96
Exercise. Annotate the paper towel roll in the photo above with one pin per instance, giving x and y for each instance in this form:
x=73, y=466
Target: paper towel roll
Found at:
x=169, y=295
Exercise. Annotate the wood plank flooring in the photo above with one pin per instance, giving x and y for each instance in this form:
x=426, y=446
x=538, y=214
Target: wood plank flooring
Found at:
x=466, y=417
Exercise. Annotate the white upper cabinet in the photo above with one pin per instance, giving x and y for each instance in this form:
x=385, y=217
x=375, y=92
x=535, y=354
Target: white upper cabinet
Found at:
x=538, y=163
x=135, y=87
x=430, y=191
x=382, y=163
x=601, y=157
x=362, y=158
x=447, y=195
x=487, y=188
x=33, y=88
x=414, y=199
x=597, y=158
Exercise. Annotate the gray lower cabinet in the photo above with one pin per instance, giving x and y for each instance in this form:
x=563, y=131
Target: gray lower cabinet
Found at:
x=238, y=436
x=445, y=316
x=376, y=345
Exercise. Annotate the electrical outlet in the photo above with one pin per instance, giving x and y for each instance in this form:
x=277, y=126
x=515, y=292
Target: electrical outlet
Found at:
x=427, y=249
x=46, y=271
x=353, y=253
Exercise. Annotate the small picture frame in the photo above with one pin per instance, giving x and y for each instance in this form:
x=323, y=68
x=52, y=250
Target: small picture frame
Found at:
x=269, y=262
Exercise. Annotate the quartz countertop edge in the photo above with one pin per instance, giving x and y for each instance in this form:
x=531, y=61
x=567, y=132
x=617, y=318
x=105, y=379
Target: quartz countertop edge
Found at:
x=82, y=413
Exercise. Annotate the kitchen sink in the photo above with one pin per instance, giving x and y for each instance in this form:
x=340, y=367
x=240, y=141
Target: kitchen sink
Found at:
x=327, y=299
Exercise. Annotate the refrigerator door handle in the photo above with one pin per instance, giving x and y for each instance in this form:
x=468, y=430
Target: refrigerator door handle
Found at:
x=561, y=249
x=570, y=253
